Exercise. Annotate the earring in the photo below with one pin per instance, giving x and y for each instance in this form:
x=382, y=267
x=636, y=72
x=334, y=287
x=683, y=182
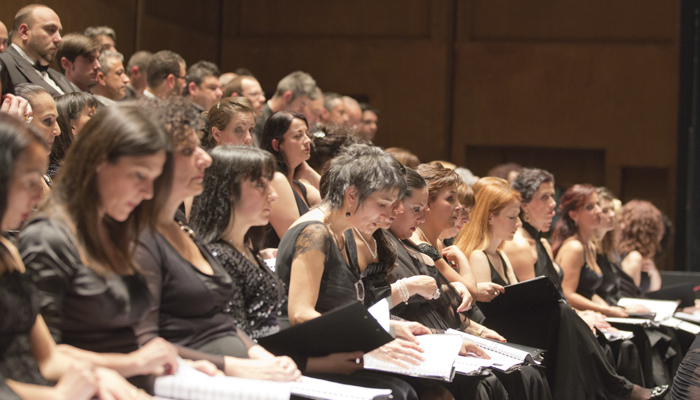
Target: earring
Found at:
x=347, y=214
x=576, y=223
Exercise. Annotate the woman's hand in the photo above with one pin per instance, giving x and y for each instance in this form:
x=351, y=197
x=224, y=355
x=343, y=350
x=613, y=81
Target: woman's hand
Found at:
x=206, y=367
x=470, y=348
x=336, y=363
x=422, y=285
x=17, y=106
x=156, y=357
x=112, y=386
x=489, y=291
x=400, y=353
x=491, y=334
x=617, y=312
x=407, y=330
x=78, y=382
x=637, y=308
x=467, y=299
x=268, y=253
x=454, y=255
x=281, y=369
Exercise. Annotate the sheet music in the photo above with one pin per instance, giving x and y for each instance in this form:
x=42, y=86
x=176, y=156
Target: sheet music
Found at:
x=381, y=311
x=190, y=384
x=499, y=349
x=468, y=365
x=320, y=389
x=620, y=335
x=631, y=321
x=440, y=354
x=694, y=317
x=663, y=309
x=682, y=325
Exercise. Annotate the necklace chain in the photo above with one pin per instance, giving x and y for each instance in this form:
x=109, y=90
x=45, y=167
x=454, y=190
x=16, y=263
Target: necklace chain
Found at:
x=424, y=236
x=373, y=253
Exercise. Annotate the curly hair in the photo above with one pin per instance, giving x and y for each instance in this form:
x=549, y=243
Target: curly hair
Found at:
x=327, y=143
x=176, y=115
x=642, y=228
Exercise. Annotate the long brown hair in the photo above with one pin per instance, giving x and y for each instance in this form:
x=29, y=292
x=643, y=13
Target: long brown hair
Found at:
x=606, y=245
x=490, y=199
x=573, y=199
x=115, y=132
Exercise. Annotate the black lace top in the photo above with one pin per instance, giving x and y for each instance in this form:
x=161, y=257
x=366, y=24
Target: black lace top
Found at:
x=258, y=295
x=373, y=276
x=340, y=283
x=19, y=307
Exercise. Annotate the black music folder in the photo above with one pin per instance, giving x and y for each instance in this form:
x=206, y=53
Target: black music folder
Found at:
x=522, y=295
x=682, y=291
x=346, y=329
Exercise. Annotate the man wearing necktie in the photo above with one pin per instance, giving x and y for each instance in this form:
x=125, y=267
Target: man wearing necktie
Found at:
x=36, y=34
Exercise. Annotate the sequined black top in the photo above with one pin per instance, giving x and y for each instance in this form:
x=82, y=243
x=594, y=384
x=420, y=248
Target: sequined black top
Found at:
x=258, y=296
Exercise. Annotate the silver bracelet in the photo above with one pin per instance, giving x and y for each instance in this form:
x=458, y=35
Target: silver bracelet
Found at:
x=403, y=290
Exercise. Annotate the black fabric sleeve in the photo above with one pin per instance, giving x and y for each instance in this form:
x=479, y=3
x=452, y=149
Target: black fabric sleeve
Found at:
x=52, y=259
x=149, y=258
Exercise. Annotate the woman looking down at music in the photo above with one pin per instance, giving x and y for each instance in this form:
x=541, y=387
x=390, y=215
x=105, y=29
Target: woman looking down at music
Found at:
x=576, y=365
x=190, y=289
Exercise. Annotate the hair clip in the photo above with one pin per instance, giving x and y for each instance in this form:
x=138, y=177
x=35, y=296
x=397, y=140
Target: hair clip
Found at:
x=219, y=104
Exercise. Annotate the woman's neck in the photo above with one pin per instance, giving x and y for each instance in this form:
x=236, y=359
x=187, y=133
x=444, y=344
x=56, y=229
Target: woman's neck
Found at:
x=291, y=171
x=430, y=233
x=166, y=216
x=337, y=221
x=235, y=235
x=584, y=236
x=493, y=246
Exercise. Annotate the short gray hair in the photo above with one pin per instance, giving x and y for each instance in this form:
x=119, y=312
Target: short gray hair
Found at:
x=330, y=100
x=299, y=83
x=95, y=31
x=529, y=180
x=106, y=58
x=367, y=168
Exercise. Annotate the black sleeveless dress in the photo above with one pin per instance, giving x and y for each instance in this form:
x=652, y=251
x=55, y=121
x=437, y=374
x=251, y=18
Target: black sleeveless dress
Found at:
x=588, y=282
x=495, y=276
x=577, y=367
x=272, y=241
x=609, y=289
x=340, y=285
x=544, y=266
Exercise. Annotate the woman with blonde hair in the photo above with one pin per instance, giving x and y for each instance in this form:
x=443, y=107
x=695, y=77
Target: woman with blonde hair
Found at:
x=576, y=365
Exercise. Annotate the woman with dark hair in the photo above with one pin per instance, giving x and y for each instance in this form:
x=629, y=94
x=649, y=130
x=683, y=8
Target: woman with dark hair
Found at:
x=641, y=230
x=529, y=252
x=233, y=231
x=328, y=140
x=286, y=136
x=576, y=365
x=79, y=246
x=441, y=314
x=189, y=288
x=574, y=251
x=230, y=121
x=44, y=113
x=360, y=186
x=74, y=111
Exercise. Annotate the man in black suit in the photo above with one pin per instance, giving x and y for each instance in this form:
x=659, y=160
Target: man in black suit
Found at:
x=36, y=34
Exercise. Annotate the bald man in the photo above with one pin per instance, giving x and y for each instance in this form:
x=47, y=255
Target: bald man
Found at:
x=36, y=34
x=3, y=37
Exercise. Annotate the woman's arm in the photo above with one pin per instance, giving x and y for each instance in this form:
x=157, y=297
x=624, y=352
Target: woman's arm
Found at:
x=305, y=173
x=312, y=194
x=570, y=258
x=632, y=265
x=310, y=251
x=649, y=267
x=284, y=210
x=519, y=251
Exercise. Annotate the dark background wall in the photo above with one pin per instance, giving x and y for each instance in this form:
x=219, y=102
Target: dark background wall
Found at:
x=588, y=90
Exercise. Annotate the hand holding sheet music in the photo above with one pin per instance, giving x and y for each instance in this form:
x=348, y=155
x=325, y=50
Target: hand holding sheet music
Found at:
x=440, y=354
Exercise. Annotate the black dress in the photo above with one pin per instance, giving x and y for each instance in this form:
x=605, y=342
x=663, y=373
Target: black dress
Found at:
x=544, y=265
x=188, y=306
x=495, y=276
x=609, y=289
x=686, y=384
x=527, y=383
x=258, y=296
x=81, y=307
x=577, y=367
x=272, y=241
x=339, y=285
x=588, y=282
x=19, y=307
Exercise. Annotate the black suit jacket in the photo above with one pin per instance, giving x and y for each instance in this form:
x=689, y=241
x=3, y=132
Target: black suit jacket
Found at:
x=21, y=71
